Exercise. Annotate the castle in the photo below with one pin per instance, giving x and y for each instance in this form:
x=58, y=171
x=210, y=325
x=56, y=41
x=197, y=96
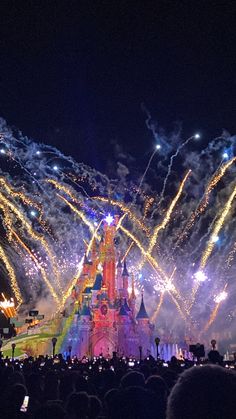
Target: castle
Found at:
x=106, y=320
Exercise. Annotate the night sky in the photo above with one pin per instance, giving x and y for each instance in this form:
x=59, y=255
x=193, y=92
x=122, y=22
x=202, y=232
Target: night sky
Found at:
x=75, y=73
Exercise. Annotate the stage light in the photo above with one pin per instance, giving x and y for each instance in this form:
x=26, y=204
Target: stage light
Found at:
x=197, y=136
x=38, y=152
x=2, y=151
x=158, y=146
x=225, y=155
x=55, y=168
x=33, y=213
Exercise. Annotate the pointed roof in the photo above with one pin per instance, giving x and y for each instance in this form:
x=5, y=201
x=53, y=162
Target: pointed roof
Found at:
x=119, y=264
x=85, y=311
x=142, y=314
x=126, y=306
x=98, y=282
x=87, y=290
x=125, y=272
x=123, y=311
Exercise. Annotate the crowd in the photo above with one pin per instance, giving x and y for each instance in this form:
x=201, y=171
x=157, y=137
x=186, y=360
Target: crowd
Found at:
x=116, y=388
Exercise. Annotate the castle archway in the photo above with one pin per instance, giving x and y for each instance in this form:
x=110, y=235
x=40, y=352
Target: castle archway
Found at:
x=105, y=346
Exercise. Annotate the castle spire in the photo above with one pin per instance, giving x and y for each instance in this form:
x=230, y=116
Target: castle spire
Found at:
x=132, y=296
x=119, y=279
x=123, y=311
x=125, y=271
x=142, y=314
x=119, y=263
x=125, y=276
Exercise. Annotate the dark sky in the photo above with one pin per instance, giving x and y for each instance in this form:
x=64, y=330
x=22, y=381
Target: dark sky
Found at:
x=74, y=73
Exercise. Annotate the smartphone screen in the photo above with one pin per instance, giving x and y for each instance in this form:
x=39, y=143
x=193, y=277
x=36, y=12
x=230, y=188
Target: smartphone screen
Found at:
x=25, y=404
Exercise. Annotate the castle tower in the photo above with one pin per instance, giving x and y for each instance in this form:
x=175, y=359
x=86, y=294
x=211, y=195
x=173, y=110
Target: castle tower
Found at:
x=125, y=277
x=144, y=329
x=132, y=297
x=119, y=279
x=84, y=327
x=123, y=330
x=109, y=266
x=96, y=288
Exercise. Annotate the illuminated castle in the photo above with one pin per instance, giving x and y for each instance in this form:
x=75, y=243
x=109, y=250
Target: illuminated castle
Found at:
x=107, y=320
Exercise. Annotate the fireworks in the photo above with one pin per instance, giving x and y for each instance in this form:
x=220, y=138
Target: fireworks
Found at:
x=221, y=297
x=178, y=236
x=200, y=276
x=8, y=307
x=214, y=236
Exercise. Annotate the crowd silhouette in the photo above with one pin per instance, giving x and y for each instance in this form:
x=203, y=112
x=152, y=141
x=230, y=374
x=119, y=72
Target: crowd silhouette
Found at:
x=117, y=388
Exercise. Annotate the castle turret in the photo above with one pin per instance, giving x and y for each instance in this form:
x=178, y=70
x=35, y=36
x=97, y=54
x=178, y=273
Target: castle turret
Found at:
x=144, y=329
x=125, y=277
x=123, y=329
x=84, y=325
x=109, y=257
x=142, y=314
x=132, y=297
x=126, y=306
x=119, y=279
x=96, y=287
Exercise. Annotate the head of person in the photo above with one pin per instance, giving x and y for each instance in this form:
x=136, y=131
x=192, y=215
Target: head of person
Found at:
x=203, y=392
x=157, y=384
x=95, y=407
x=133, y=378
x=50, y=411
x=77, y=405
x=135, y=402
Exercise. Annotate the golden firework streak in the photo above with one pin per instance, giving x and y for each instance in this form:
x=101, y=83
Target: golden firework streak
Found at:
x=214, y=313
x=42, y=270
x=126, y=210
x=12, y=276
x=25, y=199
x=211, y=243
x=33, y=234
x=166, y=219
x=216, y=230
x=156, y=312
x=127, y=252
x=63, y=189
x=168, y=214
x=80, y=214
x=73, y=282
x=156, y=267
x=93, y=237
x=205, y=199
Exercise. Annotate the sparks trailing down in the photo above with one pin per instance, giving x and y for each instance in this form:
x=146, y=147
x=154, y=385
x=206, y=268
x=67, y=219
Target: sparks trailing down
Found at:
x=176, y=229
